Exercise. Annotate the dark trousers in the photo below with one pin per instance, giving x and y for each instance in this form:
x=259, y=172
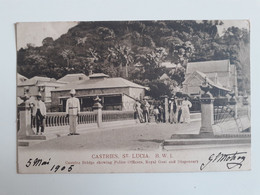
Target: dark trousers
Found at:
x=39, y=121
x=146, y=116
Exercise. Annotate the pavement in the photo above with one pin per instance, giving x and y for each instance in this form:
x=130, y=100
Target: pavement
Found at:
x=124, y=135
x=117, y=135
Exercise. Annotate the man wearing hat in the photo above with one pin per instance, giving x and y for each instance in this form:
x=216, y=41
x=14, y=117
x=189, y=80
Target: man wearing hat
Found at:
x=72, y=110
x=39, y=111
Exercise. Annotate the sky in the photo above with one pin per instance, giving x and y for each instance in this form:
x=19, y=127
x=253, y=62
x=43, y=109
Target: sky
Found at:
x=35, y=32
x=238, y=23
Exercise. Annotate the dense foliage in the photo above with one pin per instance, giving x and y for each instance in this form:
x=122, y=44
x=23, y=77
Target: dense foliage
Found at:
x=136, y=49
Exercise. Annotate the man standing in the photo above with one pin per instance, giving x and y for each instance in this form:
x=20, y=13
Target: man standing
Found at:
x=146, y=107
x=39, y=111
x=138, y=112
x=72, y=111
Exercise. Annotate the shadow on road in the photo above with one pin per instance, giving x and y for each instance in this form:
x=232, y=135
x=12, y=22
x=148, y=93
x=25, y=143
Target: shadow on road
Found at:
x=150, y=140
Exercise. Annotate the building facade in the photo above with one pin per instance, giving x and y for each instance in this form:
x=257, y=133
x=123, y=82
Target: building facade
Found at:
x=36, y=85
x=115, y=93
x=221, y=75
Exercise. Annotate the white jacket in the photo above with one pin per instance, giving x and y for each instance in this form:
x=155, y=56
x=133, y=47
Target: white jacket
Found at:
x=72, y=106
x=39, y=105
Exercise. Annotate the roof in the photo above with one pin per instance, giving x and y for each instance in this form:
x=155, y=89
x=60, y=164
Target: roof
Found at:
x=164, y=76
x=20, y=78
x=168, y=65
x=34, y=80
x=73, y=77
x=208, y=66
x=100, y=84
x=98, y=75
x=39, y=78
x=40, y=81
x=202, y=77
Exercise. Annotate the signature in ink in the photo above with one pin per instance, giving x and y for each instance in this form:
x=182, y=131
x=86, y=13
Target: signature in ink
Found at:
x=232, y=160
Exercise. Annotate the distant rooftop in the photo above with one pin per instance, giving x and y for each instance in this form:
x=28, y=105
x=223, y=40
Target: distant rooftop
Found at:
x=208, y=66
x=98, y=75
x=168, y=65
x=164, y=76
x=20, y=78
x=73, y=77
x=38, y=80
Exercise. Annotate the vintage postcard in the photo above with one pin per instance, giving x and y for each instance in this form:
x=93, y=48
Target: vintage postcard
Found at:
x=133, y=96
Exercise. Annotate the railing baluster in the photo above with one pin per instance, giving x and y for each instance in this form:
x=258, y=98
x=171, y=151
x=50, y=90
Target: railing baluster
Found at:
x=59, y=118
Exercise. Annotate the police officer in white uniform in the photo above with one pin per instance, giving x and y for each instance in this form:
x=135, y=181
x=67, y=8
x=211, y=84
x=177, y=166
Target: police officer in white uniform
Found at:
x=39, y=111
x=72, y=111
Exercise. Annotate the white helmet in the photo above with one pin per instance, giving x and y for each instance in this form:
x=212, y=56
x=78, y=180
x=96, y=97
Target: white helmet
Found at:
x=39, y=95
x=73, y=92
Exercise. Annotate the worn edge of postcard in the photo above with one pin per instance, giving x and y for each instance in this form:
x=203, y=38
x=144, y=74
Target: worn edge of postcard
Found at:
x=215, y=143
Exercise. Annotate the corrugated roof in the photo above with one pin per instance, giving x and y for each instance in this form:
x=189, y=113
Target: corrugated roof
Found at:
x=100, y=84
x=208, y=66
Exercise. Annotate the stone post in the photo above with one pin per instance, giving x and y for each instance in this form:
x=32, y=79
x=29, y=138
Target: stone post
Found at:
x=207, y=109
x=25, y=121
x=97, y=107
x=207, y=113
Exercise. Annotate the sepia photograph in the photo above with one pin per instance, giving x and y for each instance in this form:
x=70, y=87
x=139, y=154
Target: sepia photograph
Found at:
x=133, y=96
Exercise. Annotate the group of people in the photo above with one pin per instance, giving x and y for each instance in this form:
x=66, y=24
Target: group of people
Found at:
x=178, y=109
x=72, y=112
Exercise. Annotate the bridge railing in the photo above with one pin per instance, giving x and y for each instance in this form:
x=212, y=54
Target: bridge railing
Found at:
x=108, y=116
x=53, y=119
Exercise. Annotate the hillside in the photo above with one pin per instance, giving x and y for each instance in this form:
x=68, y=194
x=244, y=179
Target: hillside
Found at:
x=135, y=50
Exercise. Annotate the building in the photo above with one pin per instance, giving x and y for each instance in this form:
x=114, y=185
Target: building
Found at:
x=20, y=78
x=115, y=93
x=73, y=78
x=221, y=75
x=37, y=84
x=168, y=65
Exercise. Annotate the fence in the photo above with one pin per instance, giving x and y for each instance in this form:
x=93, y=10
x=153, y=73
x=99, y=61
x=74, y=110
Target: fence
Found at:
x=224, y=113
x=59, y=118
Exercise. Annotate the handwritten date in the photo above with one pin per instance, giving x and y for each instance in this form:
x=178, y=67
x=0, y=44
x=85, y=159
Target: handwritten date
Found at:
x=37, y=162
